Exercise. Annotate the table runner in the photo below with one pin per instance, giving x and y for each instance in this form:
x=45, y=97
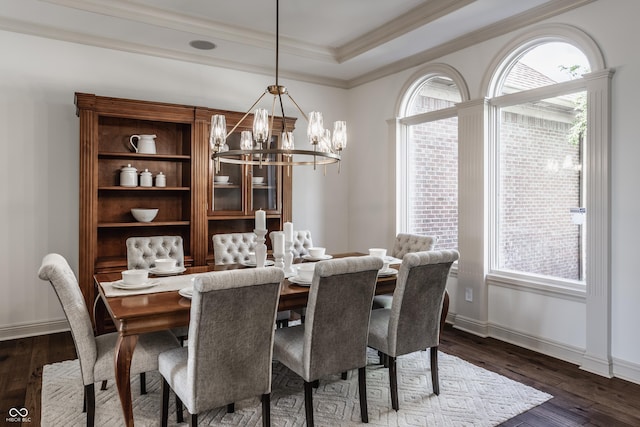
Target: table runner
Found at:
x=164, y=284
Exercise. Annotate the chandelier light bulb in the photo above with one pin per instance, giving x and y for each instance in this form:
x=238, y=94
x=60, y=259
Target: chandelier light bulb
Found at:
x=287, y=141
x=246, y=140
x=218, y=134
x=261, y=125
x=315, y=129
x=339, y=135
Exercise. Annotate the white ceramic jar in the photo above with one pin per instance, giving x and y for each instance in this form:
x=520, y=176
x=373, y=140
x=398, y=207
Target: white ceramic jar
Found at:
x=128, y=176
x=161, y=180
x=146, y=180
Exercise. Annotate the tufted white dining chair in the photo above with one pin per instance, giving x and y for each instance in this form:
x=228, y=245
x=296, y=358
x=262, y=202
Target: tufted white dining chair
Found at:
x=96, y=354
x=143, y=251
x=228, y=357
x=233, y=248
x=333, y=338
x=413, y=321
x=404, y=244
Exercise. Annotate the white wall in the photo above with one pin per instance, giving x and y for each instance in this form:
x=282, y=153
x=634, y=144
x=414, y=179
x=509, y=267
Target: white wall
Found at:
x=554, y=325
x=39, y=154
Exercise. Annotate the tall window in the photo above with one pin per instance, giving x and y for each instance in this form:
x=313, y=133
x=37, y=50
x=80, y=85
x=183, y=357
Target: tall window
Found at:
x=429, y=167
x=540, y=150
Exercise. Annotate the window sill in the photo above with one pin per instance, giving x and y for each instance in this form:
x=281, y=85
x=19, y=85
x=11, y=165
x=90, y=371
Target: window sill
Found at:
x=566, y=289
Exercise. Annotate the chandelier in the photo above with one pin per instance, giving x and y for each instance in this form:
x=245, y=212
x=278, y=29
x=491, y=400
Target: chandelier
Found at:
x=326, y=147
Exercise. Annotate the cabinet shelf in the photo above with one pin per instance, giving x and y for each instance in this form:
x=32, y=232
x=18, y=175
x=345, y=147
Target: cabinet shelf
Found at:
x=141, y=224
x=116, y=155
x=120, y=188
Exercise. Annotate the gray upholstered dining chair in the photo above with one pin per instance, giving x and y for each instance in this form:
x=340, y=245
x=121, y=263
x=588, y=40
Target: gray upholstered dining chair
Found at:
x=233, y=248
x=413, y=321
x=404, y=244
x=228, y=357
x=333, y=338
x=96, y=354
x=143, y=251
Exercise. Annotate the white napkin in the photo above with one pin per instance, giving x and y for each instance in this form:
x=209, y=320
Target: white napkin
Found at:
x=164, y=284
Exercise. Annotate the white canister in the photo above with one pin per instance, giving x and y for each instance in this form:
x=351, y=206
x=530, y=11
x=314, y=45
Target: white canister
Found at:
x=161, y=180
x=146, y=180
x=128, y=176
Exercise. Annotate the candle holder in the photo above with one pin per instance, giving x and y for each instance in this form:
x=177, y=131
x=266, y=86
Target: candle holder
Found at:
x=261, y=248
x=288, y=260
x=279, y=258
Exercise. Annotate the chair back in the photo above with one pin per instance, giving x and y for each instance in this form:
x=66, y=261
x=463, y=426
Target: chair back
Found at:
x=231, y=335
x=338, y=312
x=143, y=251
x=414, y=322
x=406, y=243
x=57, y=271
x=301, y=243
x=233, y=248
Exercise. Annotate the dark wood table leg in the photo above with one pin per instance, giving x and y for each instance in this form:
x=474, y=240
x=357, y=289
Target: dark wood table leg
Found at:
x=445, y=309
x=123, y=355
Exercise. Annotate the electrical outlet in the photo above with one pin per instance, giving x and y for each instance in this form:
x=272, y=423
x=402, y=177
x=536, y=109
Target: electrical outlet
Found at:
x=468, y=294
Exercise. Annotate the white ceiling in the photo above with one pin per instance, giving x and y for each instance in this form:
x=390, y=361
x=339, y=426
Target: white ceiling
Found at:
x=337, y=42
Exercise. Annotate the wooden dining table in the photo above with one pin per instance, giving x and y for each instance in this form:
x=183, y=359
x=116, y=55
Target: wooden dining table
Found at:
x=140, y=313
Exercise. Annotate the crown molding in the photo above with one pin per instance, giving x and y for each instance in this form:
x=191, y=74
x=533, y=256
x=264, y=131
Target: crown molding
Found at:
x=395, y=28
x=532, y=16
x=162, y=18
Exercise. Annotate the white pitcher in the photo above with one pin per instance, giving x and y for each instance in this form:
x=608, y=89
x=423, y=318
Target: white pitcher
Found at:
x=146, y=144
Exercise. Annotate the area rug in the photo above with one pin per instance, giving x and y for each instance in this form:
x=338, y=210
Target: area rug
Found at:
x=469, y=396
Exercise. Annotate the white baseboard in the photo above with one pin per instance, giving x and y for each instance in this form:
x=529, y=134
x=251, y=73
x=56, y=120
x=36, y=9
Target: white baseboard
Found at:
x=470, y=325
x=11, y=332
x=626, y=370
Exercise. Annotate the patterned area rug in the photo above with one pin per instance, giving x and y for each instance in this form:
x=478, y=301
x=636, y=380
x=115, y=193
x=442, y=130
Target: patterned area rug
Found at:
x=469, y=396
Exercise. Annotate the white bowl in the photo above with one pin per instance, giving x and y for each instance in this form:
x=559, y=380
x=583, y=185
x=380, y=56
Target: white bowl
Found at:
x=378, y=252
x=134, y=277
x=165, y=264
x=305, y=271
x=316, y=252
x=258, y=179
x=221, y=179
x=144, y=215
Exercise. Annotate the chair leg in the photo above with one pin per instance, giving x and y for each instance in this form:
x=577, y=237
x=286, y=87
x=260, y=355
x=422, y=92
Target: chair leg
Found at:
x=90, y=402
x=164, y=411
x=316, y=383
x=231, y=408
x=103, y=386
x=308, y=402
x=179, y=415
x=266, y=410
x=143, y=383
x=434, y=370
x=193, y=420
x=362, y=390
x=393, y=382
x=344, y=375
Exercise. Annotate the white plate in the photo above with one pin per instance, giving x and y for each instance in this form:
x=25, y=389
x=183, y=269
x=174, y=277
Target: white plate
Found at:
x=298, y=281
x=176, y=270
x=186, y=292
x=392, y=260
x=267, y=263
x=387, y=272
x=319, y=258
x=120, y=285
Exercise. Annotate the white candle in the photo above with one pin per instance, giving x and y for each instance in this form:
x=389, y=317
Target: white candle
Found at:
x=261, y=220
x=288, y=232
x=278, y=243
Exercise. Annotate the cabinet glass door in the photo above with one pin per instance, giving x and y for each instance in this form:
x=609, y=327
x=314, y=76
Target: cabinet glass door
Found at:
x=264, y=183
x=227, y=182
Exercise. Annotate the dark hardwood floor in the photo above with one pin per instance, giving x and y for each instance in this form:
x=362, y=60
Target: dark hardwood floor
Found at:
x=580, y=398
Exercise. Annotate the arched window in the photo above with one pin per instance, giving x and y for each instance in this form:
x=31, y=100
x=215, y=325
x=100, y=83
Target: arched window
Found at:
x=540, y=158
x=428, y=160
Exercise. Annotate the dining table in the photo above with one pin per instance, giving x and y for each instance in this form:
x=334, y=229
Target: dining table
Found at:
x=163, y=307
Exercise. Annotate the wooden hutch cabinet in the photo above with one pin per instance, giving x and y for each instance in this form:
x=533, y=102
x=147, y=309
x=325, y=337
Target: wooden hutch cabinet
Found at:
x=191, y=205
